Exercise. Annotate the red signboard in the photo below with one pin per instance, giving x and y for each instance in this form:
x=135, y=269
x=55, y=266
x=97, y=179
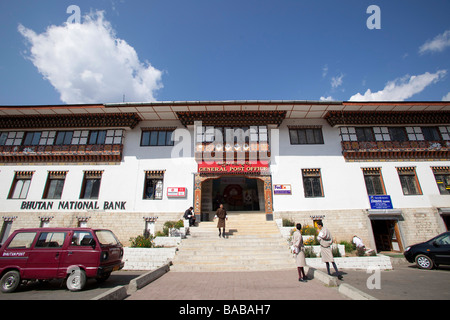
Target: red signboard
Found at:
x=256, y=167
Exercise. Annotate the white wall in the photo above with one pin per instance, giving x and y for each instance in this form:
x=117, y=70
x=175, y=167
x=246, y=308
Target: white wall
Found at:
x=343, y=182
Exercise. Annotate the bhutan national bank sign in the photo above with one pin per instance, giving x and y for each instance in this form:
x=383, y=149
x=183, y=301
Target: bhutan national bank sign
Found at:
x=73, y=205
x=248, y=167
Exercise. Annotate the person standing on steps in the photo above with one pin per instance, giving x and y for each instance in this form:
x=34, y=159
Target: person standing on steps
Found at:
x=221, y=214
x=299, y=251
x=326, y=252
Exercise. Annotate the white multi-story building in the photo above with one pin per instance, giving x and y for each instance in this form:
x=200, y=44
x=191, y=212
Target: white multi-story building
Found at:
x=378, y=170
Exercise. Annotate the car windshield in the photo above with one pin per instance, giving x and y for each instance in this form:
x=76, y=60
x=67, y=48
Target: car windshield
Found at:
x=106, y=237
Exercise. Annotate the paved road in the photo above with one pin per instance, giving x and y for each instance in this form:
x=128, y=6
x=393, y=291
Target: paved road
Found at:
x=56, y=289
x=405, y=282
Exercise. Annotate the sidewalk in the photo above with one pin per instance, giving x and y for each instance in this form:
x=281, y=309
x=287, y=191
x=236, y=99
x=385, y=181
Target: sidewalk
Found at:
x=255, y=285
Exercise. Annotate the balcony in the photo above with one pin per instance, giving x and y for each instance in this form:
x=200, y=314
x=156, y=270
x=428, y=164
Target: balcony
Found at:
x=232, y=152
x=395, y=150
x=63, y=153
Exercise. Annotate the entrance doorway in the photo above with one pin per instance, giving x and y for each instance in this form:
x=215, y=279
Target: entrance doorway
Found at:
x=387, y=235
x=251, y=193
x=237, y=193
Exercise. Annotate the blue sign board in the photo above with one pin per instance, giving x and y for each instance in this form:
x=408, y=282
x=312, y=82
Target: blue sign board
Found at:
x=380, y=202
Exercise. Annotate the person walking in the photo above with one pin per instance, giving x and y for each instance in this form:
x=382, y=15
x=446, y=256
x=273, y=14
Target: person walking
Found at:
x=299, y=251
x=326, y=252
x=221, y=214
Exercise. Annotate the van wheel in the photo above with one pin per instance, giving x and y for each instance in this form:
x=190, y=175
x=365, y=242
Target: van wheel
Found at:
x=10, y=281
x=424, y=262
x=76, y=280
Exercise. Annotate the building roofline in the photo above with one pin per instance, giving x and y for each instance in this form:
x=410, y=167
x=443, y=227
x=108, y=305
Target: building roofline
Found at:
x=223, y=102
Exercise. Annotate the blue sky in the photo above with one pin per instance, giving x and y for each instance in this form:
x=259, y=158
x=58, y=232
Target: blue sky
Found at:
x=190, y=50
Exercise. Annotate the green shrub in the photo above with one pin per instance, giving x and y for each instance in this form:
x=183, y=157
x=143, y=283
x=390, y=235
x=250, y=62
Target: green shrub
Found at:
x=309, y=252
x=142, y=242
x=336, y=252
x=288, y=223
x=309, y=230
x=349, y=246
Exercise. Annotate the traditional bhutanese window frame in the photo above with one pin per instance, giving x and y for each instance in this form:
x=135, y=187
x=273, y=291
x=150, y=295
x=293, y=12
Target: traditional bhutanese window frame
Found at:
x=54, y=176
x=411, y=173
x=374, y=172
x=23, y=177
x=442, y=177
x=312, y=174
x=156, y=177
x=91, y=175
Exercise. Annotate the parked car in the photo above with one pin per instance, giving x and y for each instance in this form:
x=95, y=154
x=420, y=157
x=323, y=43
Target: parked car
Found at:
x=73, y=254
x=431, y=253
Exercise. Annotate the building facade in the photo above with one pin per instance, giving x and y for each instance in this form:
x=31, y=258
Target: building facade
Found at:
x=379, y=170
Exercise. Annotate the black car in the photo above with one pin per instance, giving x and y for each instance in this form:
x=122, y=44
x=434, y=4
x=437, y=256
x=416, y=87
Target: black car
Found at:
x=430, y=253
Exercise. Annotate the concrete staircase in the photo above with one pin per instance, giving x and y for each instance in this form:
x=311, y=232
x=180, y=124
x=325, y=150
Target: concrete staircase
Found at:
x=251, y=244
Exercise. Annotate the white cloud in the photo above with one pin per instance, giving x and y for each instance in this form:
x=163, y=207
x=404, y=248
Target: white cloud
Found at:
x=324, y=71
x=438, y=44
x=336, y=81
x=329, y=98
x=402, y=88
x=446, y=97
x=87, y=63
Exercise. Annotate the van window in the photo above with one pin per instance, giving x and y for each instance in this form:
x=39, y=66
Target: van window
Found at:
x=82, y=238
x=106, y=237
x=51, y=240
x=22, y=240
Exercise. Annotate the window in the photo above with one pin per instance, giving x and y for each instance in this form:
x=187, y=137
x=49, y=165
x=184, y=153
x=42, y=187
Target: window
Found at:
x=312, y=183
x=374, y=181
x=157, y=138
x=11, y=138
x=114, y=137
x=348, y=134
x=414, y=133
x=442, y=176
x=409, y=181
x=365, y=134
x=22, y=240
x=97, y=137
x=431, y=134
x=20, y=186
x=80, y=137
x=47, y=138
x=443, y=240
x=153, y=187
x=231, y=135
x=82, y=239
x=55, y=184
x=398, y=134
x=32, y=138
x=64, y=138
x=445, y=133
x=50, y=240
x=91, y=184
x=106, y=237
x=381, y=133
x=306, y=135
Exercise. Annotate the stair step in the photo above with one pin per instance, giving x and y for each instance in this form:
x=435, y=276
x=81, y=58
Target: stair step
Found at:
x=251, y=243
